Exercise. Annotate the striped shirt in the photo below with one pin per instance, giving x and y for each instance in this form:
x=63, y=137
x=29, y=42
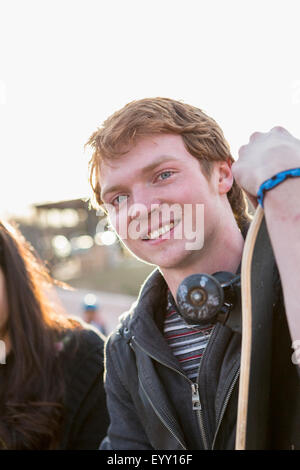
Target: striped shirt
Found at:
x=186, y=341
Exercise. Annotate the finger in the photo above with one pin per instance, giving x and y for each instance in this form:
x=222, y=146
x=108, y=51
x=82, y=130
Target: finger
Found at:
x=280, y=130
x=242, y=150
x=255, y=136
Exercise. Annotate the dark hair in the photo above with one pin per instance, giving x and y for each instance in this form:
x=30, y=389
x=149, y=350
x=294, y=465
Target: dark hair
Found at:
x=202, y=137
x=31, y=400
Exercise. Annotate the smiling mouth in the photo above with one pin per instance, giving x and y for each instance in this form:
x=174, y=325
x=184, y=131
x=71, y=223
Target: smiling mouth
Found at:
x=161, y=231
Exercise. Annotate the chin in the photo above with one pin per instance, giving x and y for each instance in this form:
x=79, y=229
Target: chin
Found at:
x=175, y=257
x=172, y=262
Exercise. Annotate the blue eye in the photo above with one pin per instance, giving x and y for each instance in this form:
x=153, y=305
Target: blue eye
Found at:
x=118, y=199
x=168, y=173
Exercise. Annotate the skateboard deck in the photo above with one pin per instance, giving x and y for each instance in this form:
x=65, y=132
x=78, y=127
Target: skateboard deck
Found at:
x=257, y=292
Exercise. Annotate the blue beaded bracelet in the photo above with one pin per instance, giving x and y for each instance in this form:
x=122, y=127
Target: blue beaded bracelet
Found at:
x=274, y=181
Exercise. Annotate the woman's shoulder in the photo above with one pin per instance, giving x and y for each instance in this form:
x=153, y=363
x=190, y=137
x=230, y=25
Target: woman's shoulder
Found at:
x=81, y=356
x=80, y=343
x=88, y=336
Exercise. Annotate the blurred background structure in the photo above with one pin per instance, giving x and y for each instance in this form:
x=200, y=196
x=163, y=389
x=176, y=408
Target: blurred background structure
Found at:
x=65, y=66
x=79, y=249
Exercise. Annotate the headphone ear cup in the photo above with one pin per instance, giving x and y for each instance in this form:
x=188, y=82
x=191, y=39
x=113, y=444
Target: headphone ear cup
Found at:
x=199, y=298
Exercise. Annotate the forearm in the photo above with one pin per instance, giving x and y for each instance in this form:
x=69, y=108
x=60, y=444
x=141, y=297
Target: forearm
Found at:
x=282, y=212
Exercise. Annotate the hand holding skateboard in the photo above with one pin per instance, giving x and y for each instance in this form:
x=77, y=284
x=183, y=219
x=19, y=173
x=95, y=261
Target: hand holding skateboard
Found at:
x=265, y=155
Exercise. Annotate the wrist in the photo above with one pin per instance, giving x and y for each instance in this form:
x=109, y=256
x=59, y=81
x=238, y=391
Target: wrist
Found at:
x=282, y=201
x=282, y=158
x=275, y=181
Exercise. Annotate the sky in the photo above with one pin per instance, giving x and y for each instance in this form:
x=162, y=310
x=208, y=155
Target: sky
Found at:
x=66, y=65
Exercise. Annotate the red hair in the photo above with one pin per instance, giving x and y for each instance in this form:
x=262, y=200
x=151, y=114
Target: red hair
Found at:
x=202, y=137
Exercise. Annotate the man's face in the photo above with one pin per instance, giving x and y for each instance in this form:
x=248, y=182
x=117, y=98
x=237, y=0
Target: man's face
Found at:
x=156, y=174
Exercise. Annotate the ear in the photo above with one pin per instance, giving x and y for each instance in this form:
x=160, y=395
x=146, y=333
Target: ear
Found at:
x=225, y=177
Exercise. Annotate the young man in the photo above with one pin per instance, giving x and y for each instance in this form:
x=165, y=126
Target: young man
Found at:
x=172, y=385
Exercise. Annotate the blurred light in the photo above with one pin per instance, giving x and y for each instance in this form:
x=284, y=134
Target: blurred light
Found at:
x=108, y=238
x=105, y=238
x=102, y=225
x=84, y=242
x=98, y=239
x=90, y=301
x=61, y=245
x=54, y=218
x=67, y=269
x=69, y=218
x=82, y=215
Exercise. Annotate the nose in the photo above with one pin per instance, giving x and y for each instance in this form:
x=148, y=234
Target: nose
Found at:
x=144, y=201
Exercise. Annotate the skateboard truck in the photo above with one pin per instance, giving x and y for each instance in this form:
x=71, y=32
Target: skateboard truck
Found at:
x=203, y=299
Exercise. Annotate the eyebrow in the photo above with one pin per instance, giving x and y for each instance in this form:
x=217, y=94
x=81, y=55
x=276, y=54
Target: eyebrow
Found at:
x=145, y=170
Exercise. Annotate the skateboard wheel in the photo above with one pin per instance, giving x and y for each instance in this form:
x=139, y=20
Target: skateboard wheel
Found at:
x=199, y=298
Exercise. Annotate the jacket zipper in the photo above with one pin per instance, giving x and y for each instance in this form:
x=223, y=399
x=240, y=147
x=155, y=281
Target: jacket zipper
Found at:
x=161, y=418
x=197, y=407
x=224, y=406
x=225, y=403
x=152, y=404
x=196, y=402
x=199, y=411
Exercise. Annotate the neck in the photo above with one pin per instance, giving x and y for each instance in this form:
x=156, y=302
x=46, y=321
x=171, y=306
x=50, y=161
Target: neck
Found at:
x=223, y=252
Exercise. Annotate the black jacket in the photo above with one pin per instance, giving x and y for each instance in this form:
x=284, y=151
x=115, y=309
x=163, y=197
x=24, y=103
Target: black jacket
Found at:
x=85, y=413
x=153, y=405
x=85, y=417
x=151, y=400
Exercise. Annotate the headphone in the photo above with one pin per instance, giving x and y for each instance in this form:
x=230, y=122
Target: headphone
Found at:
x=205, y=298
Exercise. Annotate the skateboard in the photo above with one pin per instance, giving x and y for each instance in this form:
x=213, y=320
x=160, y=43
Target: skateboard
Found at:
x=202, y=298
x=257, y=292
